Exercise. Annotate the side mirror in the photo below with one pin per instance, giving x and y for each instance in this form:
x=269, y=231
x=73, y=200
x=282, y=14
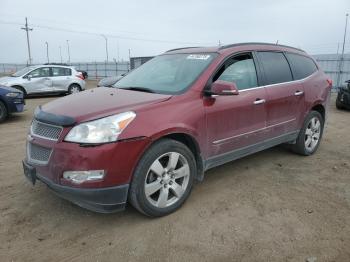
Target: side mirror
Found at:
x=223, y=88
x=29, y=77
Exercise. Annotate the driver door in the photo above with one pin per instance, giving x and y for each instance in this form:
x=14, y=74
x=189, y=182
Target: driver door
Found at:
x=236, y=121
x=39, y=81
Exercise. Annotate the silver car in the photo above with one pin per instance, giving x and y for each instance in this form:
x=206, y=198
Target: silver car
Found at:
x=46, y=79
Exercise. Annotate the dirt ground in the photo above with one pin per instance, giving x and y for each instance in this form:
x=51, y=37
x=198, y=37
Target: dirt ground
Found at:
x=271, y=206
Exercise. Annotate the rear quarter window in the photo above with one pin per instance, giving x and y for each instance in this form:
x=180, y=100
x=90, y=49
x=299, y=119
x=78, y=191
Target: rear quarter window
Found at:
x=276, y=67
x=302, y=66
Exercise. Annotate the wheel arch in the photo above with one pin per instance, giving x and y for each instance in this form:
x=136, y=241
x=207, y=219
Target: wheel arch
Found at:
x=193, y=145
x=186, y=139
x=21, y=88
x=75, y=83
x=321, y=109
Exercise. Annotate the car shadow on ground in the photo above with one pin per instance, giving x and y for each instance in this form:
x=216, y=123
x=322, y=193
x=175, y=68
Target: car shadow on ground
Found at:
x=14, y=118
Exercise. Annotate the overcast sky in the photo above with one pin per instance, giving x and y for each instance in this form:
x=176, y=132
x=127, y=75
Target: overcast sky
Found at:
x=154, y=26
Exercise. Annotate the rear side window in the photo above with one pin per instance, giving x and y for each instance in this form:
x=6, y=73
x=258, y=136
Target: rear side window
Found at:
x=302, y=66
x=61, y=71
x=276, y=67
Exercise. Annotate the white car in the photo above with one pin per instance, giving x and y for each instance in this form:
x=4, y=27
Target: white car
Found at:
x=46, y=79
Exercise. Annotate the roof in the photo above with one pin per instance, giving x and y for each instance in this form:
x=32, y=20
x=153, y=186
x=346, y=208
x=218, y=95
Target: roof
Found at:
x=221, y=49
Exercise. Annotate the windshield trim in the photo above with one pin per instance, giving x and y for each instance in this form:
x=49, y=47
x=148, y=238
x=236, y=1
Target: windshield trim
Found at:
x=184, y=90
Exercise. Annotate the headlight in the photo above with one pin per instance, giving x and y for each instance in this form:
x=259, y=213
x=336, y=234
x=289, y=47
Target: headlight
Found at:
x=4, y=83
x=12, y=94
x=102, y=130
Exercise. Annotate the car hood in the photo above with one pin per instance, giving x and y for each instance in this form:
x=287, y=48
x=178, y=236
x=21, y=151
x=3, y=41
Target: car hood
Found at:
x=5, y=79
x=9, y=89
x=100, y=102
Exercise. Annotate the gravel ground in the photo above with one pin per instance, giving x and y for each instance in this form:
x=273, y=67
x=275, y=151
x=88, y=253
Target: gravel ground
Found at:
x=271, y=206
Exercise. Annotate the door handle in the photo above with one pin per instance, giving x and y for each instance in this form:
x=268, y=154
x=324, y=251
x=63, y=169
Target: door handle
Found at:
x=259, y=101
x=298, y=93
x=46, y=78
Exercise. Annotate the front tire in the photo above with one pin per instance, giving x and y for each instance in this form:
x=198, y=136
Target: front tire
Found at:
x=3, y=112
x=310, y=135
x=163, y=178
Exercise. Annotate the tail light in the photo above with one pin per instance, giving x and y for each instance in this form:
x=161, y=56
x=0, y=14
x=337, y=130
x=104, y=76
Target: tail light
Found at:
x=80, y=75
x=330, y=82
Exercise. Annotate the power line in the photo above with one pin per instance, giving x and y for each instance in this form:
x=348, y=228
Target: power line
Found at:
x=54, y=28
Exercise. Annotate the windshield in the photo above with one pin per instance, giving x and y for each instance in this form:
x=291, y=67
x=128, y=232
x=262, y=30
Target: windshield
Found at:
x=167, y=74
x=23, y=71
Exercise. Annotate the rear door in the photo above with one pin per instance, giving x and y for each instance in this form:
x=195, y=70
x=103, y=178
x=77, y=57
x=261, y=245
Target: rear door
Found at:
x=237, y=121
x=285, y=101
x=61, y=78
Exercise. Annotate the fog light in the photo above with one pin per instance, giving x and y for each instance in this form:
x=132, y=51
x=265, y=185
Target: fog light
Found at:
x=79, y=177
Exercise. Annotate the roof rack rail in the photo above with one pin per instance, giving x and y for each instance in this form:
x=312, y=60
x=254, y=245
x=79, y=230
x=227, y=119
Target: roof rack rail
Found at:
x=175, y=49
x=259, y=43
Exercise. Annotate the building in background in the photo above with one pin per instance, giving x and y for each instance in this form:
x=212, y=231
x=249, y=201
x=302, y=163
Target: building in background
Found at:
x=135, y=62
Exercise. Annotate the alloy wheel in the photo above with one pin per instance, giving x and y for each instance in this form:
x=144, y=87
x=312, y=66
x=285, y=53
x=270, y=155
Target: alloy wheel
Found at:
x=167, y=180
x=312, y=134
x=74, y=89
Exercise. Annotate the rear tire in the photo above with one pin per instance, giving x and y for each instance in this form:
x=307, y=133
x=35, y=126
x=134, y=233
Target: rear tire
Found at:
x=74, y=89
x=3, y=112
x=310, y=135
x=163, y=178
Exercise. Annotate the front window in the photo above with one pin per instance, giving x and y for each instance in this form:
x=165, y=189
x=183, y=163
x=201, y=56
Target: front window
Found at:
x=23, y=71
x=167, y=74
x=239, y=69
x=40, y=72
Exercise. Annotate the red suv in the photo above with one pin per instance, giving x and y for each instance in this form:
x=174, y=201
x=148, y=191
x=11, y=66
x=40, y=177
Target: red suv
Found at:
x=163, y=125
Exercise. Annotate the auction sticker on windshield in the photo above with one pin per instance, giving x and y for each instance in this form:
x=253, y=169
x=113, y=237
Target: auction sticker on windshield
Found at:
x=200, y=57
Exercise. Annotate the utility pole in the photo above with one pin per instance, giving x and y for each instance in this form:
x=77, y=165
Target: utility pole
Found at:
x=338, y=49
x=47, y=52
x=27, y=29
x=105, y=37
x=129, y=59
x=61, y=54
x=342, y=53
x=68, y=51
x=117, y=50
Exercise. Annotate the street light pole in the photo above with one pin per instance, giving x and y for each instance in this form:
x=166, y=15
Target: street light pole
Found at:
x=47, y=52
x=61, y=54
x=342, y=53
x=27, y=29
x=68, y=51
x=106, y=39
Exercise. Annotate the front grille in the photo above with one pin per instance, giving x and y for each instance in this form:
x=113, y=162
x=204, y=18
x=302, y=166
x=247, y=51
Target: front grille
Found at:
x=38, y=154
x=46, y=131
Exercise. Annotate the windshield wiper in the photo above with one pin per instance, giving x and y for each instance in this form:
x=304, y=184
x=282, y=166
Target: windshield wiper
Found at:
x=139, y=88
